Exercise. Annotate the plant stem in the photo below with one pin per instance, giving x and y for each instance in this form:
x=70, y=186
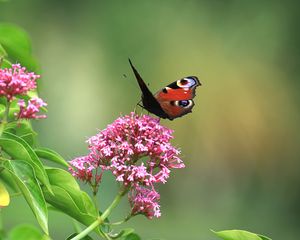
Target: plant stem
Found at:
x=115, y=202
x=120, y=222
x=95, y=201
x=5, y=118
x=88, y=229
x=101, y=219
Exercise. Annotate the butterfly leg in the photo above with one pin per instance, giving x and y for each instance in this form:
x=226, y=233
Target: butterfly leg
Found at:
x=138, y=104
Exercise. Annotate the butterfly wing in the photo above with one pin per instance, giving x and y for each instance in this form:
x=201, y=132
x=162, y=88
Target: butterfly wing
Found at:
x=176, y=99
x=149, y=101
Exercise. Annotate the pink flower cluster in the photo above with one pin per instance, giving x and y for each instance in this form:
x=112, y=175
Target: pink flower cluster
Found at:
x=32, y=108
x=145, y=201
x=138, y=152
x=16, y=81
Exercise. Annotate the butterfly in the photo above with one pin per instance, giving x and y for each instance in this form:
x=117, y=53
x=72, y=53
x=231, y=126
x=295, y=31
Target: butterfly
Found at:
x=173, y=101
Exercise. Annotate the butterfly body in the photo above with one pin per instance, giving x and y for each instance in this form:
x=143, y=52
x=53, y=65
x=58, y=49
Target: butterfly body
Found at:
x=175, y=100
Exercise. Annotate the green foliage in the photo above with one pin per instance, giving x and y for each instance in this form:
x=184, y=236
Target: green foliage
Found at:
x=24, y=176
x=17, y=148
x=123, y=233
x=6, y=177
x=23, y=129
x=51, y=155
x=16, y=45
x=25, y=232
x=239, y=235
x=69, y=199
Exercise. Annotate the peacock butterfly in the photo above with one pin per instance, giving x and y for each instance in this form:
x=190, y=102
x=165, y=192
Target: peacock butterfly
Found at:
x=173, y=101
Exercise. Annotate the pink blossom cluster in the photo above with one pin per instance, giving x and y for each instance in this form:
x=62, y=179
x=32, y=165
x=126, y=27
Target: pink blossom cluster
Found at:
x=138, y=152
x=145, y=201
x=16, y=81
x=32, y=108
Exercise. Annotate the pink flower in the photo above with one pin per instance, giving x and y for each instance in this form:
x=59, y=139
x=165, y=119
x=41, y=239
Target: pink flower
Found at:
x=32, y=108
x=136, y=149
x=144, y=201
x=16, y=81
x=84, y=168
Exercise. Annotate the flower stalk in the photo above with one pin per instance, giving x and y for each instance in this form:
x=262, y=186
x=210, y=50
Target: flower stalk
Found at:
x=5, y=117
x=100, y=219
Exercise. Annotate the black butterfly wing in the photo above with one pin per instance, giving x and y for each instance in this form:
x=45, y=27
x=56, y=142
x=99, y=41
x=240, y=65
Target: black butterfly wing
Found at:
x=149, y=101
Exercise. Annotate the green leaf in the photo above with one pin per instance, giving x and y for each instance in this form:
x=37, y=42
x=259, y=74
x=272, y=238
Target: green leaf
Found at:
x=131, y=236
x=51, y=155
x=17, y=45
x=7, y=178
x=69, y=199
x=24, y=130
x=25, y=232
x=3, y=53
x=239, y=235
x=18, y=148
x=24, y=176
x=61, y=178
x=123, y=233
x=30, y=138
x=62, y=200
x=264, y=237
x=87, y=237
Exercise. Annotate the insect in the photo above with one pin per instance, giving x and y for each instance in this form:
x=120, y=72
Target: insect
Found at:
x=173, y=101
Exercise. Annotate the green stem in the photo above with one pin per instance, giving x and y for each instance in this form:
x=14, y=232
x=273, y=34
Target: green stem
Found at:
x=101, y=219
x=115, y=202
x=120, y=222
x=5, y=118
x=95, y=202
x=88, y=229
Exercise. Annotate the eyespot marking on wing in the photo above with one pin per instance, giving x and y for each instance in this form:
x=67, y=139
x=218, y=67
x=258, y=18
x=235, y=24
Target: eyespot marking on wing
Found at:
x=183, y=103
x=188, y=82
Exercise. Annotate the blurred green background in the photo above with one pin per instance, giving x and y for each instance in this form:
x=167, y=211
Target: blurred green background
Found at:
x=240, y=145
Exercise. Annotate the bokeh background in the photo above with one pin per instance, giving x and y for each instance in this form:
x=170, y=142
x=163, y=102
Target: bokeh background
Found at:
x=240, y=145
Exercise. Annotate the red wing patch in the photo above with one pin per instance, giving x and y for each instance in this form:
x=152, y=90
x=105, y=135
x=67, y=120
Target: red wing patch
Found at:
x=175, y=110
x=170, y=94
